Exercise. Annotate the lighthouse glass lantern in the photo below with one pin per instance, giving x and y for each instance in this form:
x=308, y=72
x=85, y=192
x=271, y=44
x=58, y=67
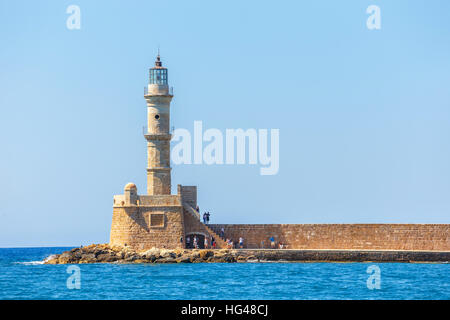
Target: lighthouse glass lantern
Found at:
x=158, y=74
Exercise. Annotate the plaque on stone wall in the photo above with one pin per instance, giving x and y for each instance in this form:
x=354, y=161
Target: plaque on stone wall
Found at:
x=156, y=219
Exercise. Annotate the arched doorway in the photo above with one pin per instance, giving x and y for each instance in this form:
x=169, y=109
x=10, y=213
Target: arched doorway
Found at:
x=200, y=240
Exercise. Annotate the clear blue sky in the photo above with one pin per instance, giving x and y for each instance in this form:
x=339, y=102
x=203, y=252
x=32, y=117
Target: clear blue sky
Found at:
x=364, y=115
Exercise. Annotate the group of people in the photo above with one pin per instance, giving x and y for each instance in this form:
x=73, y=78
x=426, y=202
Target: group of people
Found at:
x=273, y=244
x=229, y=242
x=235, y=245
x=193, y=242
x=206, y=217
x=211, y=244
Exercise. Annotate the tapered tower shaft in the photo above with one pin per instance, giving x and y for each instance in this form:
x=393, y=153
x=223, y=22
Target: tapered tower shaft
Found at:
x=158, y=134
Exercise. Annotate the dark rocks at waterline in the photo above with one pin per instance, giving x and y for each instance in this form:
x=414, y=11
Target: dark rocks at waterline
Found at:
x=103, y=253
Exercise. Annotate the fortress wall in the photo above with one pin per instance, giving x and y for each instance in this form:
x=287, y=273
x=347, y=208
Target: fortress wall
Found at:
x=342, y=236
x=142, y=228
x=188, y=194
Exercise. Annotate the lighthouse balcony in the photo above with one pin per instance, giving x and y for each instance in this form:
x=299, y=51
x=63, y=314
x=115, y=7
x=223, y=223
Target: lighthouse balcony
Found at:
x=158, y=90
x=156, y=136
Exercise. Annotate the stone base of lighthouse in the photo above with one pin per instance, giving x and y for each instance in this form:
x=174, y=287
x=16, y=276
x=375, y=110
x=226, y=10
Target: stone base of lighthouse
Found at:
x=142, y=222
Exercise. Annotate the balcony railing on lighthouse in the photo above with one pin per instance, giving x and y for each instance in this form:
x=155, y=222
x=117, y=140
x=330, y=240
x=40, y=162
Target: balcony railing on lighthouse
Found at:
x=146, y=91
x=145, y=130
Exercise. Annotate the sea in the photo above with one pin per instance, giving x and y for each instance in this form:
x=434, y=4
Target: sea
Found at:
x=24, y=276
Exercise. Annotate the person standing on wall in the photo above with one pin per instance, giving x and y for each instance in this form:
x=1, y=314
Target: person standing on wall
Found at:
x=241, y=242
x=272, y=242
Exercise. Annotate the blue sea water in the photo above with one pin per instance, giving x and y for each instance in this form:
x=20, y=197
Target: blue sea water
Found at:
x=23, y=276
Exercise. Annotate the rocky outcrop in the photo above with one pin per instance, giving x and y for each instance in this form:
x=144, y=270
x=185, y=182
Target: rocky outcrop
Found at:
x=103, y=253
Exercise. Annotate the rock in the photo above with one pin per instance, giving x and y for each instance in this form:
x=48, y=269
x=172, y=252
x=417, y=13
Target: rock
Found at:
x=64, y=258
x=106, y=257
x=152, y=252
x=167, y=253
x=194, y=254
x=184, y=259
x=53, y=259
x=88, y=258
x=100, y=252
x=205, y=254
x=141, y=261
x=131, y=257
x=230, y=259
x=179, y=252
x=167, y=260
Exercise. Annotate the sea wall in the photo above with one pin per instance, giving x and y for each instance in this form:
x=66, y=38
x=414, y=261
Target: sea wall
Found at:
x=342, y=236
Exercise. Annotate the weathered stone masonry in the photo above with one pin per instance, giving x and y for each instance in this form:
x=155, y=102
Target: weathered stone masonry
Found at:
x=148, y=221
x=343, y=236
x=160, y=219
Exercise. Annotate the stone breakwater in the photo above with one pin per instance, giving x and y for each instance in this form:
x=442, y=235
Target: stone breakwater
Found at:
x=103, y=253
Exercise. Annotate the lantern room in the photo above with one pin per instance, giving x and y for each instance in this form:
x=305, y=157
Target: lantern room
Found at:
x=158, y=74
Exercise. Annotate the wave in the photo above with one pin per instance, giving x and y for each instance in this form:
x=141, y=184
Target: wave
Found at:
x=30, y=263
x=35, y=263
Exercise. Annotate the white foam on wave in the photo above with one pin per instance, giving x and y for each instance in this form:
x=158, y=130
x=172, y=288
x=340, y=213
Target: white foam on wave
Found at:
x=30, y=263
x=49, y=257
x=35, y=263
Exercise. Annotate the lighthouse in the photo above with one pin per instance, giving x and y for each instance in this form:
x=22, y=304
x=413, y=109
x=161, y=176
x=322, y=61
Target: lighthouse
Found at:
x=158, y=98
x=158, y=219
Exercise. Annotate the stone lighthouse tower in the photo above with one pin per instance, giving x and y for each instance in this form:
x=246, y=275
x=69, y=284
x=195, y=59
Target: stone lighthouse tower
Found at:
x=157, y=219
x=158, y=135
